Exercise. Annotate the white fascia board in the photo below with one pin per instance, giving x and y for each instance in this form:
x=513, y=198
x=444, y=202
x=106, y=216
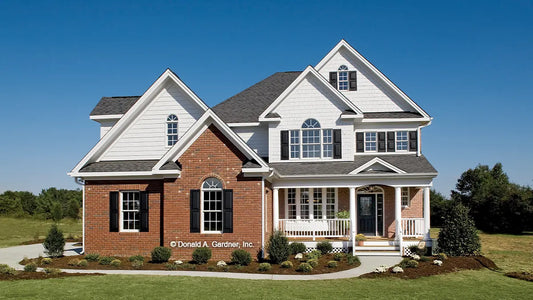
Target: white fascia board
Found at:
x=348, y=117
x=148, y=174
x=255, y=170
x=296, y=82
x=410, y=175
x=106, y=117
x=131, y=114
x=372, y=68
x=270, y=119
x=378, y=161
x=250, y=124
x=397, y=120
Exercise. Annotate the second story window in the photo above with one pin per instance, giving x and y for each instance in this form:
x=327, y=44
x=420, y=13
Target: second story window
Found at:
x=401, y=141
x=311, y=138
x=172, y=130
x=311, y=141
x=370, y=141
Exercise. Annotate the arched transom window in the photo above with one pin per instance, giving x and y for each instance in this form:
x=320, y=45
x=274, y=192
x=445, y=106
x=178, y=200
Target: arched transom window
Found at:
x=314, y=142
x=172, y=130
x=212, y=205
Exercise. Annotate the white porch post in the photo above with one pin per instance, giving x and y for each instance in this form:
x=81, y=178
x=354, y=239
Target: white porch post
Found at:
x=398, y=213
x=275, y=208
x=426, y=213
x=352, y=218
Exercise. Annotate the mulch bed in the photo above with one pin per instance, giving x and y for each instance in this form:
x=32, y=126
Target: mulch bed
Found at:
x=63, y=263
x=41, y=275
x=521, y=275
x=427, y=268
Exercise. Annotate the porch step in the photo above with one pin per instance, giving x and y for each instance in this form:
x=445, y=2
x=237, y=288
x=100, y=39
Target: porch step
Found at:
x=377, y=248
x=377, y=253
x=380, y=243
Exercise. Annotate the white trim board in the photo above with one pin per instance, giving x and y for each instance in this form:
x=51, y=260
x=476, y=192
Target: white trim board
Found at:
x=377, y=160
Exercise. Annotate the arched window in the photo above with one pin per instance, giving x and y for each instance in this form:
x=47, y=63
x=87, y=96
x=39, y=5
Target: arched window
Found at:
x=310, y=138
x=172, y=130
x=343, y=78
x=313, y=143
x=212, y=205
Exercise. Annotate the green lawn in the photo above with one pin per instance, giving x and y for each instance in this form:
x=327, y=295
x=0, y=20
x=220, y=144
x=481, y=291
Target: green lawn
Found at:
x=14, y=231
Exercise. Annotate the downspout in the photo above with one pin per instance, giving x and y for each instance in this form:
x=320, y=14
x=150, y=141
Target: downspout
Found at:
x=419, y=146
x=262, y=216
x=81, y=182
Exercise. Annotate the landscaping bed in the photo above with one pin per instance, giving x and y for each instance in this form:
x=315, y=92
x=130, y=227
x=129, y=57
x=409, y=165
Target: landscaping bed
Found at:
x=521, y=275
x=20, y=275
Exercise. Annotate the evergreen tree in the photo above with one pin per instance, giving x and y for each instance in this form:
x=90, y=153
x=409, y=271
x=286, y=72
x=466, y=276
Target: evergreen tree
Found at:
x=54, y=242
x=458, y=236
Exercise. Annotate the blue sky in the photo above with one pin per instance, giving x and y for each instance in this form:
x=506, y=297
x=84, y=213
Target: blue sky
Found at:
x=468, y=63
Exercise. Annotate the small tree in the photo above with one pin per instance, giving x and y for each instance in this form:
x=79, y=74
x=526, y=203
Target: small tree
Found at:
x=278, y=247
x=54, y=242
x=458, y=236
x=57, y=212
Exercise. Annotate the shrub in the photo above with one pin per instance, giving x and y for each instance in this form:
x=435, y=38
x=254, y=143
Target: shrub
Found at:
x=315, y=254
x=278, y=247
x=161, y=254
x=324, y=247
x=241, y=257
x=442, y=256
x=105, y=260
x=305, y=267
x=31, y=267
x=136, y=258
x=52, y=271
x=54, y=243
x=92, y=257
x=332, y=264
x=116, y=263
x=73, y=262
x=83, y=263
x=168, y=266
x=338, y=256
x=415, y=249
x=286, y=264
x=360, y=237
x=263, y=267
x=313, y=262
x=201, y=255
x=458, y=236
x=46, y=261
x=211, y=268
x=403, y=263
x=7, y=270
x=137, y=264
x=297, y=247
x=425, y=258
x=352, y=259
x=412, y=264
x=189, y=266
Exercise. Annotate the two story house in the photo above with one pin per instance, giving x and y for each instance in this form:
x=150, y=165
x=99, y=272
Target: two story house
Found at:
x=324, y=153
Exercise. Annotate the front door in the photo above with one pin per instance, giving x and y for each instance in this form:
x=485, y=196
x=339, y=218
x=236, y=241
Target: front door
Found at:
x=366, y=214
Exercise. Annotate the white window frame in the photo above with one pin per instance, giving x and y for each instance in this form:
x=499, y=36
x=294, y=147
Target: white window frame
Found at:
x=375, y=141
x=172, y=119
x=122, y=211
x=202, y=211
x=396, y=140
x=300, y=145
x=344, y=70
x=311, y=204
x=405, y=197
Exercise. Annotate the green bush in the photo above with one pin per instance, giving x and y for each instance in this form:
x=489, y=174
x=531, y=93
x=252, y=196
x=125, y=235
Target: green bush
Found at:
x=7, y=270
x=116, y=263
x=415, y=249
x=138, y=264
x=46, y=261
x=211, y=268
x=83, y=263
x=425, y=258
x=339, y=256
x=403, y=263
x=52, y=271
x=263, y=267
x=169, y=266
x=201, y=255
x=324, y=247
x=136, y=258
x=352, y=259
x=286, y=264
x=313, y=262
x=332, y=264
x=305, y=267
x=54, y=243
x=241, y=257
x=161, y=254
x=73, y=262
x=315, y=254
x=442, y=256
x=458, y=236
x=297, y=247
x=278, y=247
x=105, y=260
x=92, y=257
x=412, y=264
x=31, y=267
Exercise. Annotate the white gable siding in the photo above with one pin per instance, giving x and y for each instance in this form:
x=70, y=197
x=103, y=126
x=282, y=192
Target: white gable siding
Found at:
x=105, y=126
x=256, y=137
x=310, y=99
x=146, y=136
x=371, y=94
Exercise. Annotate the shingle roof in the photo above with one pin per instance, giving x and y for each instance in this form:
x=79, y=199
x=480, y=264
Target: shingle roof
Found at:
x=392, y=115
x=406, y=162
x=126, y=166
x=114, y=105
x=247, y=105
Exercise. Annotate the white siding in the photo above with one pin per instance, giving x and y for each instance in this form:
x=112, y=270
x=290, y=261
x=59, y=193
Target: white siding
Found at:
x=256, y=137
x=311, y=99
x=105, y=126
x=371, y=95
x=146, y=136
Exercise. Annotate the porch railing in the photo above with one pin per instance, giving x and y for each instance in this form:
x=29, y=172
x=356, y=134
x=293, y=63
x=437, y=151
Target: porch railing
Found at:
x=413, y=227
x=315, y=228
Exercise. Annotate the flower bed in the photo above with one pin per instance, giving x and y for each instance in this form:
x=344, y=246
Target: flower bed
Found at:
x=20, y=275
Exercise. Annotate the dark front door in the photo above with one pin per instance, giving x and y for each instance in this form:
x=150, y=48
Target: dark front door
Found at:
x=366, y=214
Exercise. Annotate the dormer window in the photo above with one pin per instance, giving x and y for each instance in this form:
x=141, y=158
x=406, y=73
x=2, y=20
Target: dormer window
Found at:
x=172, y=130
x=343, y=79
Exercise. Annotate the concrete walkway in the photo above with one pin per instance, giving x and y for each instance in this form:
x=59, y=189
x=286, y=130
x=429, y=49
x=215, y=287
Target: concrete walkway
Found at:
x=13, y=255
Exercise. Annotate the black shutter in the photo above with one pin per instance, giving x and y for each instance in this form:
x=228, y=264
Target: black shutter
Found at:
x=113, y=211
x=227, y=211
x=381, y=142
x=333, y=79
x=284, y=145
x=391, y=141
x=195, y=210
x=360, y=142
x=337, y=144
x=353, y=80
x=144, y=212
x=413, y=141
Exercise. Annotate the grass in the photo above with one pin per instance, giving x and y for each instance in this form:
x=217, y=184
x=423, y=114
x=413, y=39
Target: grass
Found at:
x=14, y=231
x=470, y=284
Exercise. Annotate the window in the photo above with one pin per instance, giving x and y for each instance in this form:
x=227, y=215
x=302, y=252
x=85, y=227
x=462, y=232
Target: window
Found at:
x=310, y=141
x=130, y=211
x=295, y=143
x=304, y=203
x=370, y=141
x=291, y=203
x=401, y=141
x=212, y=205
x=405, y=197
x=311, y=203
x=331, y=204
x=343, y=78
x=172, y=130
x=317, y=203
x=327, y=142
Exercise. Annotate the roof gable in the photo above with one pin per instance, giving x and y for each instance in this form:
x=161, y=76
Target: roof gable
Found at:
x=377, y=165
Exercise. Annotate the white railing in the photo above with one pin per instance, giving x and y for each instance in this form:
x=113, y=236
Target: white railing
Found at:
x=413, y=227
x=315, y=228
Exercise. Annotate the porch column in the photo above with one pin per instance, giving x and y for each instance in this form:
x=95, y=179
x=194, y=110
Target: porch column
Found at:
x=426, y=213
x=398, y=211
x=275, y=208
x=352, y=218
